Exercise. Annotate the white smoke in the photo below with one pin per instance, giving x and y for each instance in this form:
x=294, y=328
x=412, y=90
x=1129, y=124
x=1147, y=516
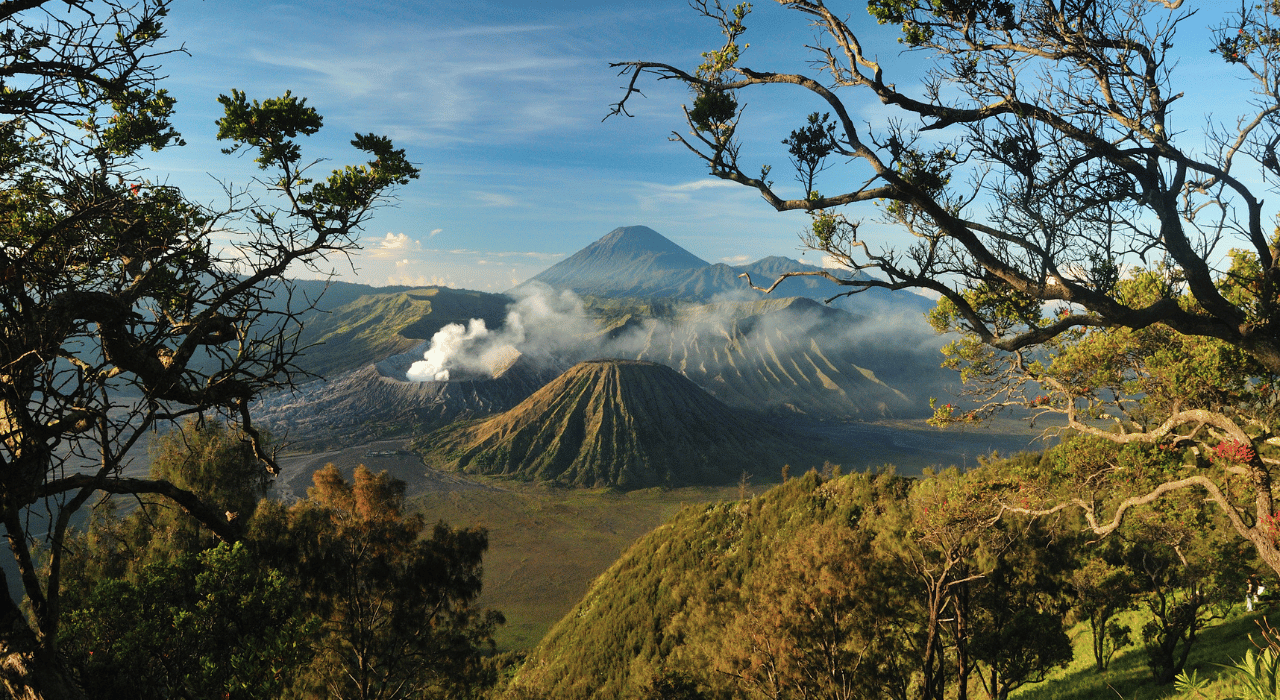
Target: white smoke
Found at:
x=554, y=329
x=448, y=346
x=541, y=324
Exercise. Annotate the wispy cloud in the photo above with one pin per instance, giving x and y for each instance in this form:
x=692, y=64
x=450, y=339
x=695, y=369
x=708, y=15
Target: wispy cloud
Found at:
x=504, y=83
x=493, y=199
x=422, y=280
x=700, y=185
x=496, y=254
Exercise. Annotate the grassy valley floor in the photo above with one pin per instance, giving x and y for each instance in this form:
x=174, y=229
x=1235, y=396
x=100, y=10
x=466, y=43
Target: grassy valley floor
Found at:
x=546, y=546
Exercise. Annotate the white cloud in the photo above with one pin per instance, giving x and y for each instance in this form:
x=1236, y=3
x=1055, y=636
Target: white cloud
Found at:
x=695, y=185
x=396, y=242
x=736, y=259
x=433, y=233
x=393, y=245
x=496, y=254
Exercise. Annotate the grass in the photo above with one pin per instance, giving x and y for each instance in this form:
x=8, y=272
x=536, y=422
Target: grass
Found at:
x=1129, y=678
x=547, y=545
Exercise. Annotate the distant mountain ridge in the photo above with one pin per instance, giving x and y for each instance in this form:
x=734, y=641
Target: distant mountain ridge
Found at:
x=638, y=262
x=783, y=355
x=355, y=329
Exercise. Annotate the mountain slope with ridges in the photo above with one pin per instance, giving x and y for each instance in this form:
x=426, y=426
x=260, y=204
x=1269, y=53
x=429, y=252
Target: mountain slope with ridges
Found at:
x=622, y=424
x=773, y=355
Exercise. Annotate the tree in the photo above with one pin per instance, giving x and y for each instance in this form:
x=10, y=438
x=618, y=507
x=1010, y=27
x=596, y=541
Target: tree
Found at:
x=672, y=685
x=396, y=602
x=1039, y=168
x=1189, y=574
x=207, y=458
x=117, y=311
x=211, y=625
x=1016, y=628
x=987, y=591
x=154, y=606
x=1102, y=590
x=817, y=623
x=340, y=595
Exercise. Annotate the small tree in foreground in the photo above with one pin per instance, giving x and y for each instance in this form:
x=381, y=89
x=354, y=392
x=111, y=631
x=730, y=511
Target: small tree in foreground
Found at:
x=1103, y=590
x=1087, y=246
x=341, y=595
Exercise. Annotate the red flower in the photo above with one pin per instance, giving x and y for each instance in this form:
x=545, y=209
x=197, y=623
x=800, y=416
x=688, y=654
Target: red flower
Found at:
x=1234, y=452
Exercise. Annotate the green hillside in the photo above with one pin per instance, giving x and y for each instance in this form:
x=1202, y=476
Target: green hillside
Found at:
x=659, y=599
x=825, y=584
x=373, y=326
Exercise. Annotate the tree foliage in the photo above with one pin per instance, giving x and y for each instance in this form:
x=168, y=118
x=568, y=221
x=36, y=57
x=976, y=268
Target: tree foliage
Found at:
x=340, y=595
x=396, y=600
x=212, y=625
x=1103, y=589
x=1097, y=262
x=118, y=313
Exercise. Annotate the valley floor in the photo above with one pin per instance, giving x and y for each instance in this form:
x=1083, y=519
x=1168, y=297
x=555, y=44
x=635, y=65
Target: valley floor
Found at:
x=547, y=545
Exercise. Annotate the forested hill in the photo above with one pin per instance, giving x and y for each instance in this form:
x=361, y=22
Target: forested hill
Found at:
x=670, y=599
x=848, y=586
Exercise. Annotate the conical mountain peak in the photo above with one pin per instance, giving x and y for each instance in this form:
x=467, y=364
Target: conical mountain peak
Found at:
x=642, y=241
x=618, y=423
x=638, y=262
x=625, y=257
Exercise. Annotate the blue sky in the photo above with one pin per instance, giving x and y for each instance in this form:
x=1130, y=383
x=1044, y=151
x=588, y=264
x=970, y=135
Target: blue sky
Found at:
x=500, y=103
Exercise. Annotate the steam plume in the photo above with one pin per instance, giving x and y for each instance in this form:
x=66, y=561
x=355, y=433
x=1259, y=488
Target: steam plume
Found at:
x=552, y=328
x=541, y=324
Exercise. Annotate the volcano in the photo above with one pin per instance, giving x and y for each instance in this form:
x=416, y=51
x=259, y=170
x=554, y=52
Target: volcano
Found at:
x=375, y=402
x=618, y=423
x=627, y=255
x=634, y=262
